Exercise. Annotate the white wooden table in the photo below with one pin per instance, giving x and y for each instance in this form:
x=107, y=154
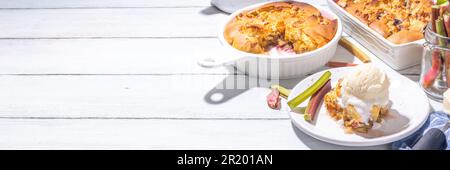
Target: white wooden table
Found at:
x=122, y=74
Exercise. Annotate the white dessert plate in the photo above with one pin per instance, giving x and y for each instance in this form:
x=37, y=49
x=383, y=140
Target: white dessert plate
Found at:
x=408, y=112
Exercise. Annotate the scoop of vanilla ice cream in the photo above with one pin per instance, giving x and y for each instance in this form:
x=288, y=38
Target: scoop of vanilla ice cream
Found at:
x=368, y=83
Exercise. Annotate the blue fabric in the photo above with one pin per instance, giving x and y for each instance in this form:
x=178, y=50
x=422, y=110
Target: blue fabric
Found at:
x=436, y=120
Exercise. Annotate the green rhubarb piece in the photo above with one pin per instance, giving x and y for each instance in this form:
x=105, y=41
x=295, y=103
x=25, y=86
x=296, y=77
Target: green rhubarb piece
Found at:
x=283, y=91
x=434, y=16
x=446, y=18
x=441, y=2
x=316, y=100
x=440, y=29
x=310, y=90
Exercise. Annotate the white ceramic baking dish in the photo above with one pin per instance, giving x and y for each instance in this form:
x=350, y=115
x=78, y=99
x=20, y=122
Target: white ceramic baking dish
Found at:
x=274, y=67
x=397, y=56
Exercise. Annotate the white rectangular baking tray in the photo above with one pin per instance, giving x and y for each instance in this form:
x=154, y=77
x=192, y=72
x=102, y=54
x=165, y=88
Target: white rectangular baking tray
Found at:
x=397, y=56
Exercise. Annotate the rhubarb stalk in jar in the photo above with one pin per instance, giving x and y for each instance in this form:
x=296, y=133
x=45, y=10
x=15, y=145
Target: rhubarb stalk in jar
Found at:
x=435, y=73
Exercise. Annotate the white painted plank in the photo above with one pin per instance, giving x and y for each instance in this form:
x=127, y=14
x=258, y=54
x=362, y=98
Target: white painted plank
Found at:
x=108, y=56
x=118, y=22
x=141, y=96
x=157, y=134
x=125, y=96
x=112, y=3
x=154, y=22
x=414, y=78
x=435, y=105
x=136, y=96
x=101, y=3
x=414, y=70
x=115, y=56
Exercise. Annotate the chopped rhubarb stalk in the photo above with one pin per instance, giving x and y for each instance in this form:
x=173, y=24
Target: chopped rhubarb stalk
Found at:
x=316, y=100
x=283, y=91
x=446, y=17
x=273, y=99
x=441, y=2
x=436, y=60
x=354, y=49
x=440, y=29
x=447, y=67
x=431, y=75
x=434, y=16
x=334, y=64
x=310, y=90
x=443, y=8
x=284, y=49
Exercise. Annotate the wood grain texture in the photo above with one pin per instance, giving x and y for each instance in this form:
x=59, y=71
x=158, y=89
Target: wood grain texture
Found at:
x=32, y=4
x=157, y=134
x=122, y=22
x=102, y=74
x=27, y=4
x=116, y=56
x=108, y=56
x=135, y=96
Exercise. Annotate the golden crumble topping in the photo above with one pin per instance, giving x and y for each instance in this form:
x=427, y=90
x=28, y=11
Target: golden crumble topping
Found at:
x=399, y=21
x=297, y=26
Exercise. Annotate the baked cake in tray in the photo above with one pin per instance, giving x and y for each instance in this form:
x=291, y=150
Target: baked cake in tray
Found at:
x=399, y=21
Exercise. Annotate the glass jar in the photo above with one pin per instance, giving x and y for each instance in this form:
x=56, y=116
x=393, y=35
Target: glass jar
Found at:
x=435, y=73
